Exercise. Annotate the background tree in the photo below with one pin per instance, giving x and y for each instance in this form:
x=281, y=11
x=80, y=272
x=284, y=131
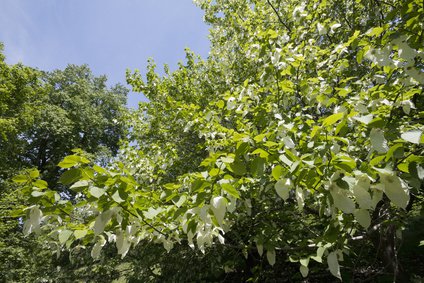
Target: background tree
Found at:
x=43, y=115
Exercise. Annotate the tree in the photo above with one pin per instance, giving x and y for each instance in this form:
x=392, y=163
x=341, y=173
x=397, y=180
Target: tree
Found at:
x=43, y=115
x=299, y=141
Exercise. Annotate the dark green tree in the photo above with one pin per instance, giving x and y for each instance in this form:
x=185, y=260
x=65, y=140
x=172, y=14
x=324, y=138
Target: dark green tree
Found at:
x=43, y=115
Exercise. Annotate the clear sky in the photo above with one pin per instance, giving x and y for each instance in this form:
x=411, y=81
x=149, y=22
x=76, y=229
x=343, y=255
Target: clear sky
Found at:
x=108, y=35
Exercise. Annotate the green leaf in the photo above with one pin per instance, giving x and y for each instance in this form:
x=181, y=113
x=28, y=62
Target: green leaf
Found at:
x=99, y=169
x=262, y=153
x=361, y=192
x=230, y=190
x=377, y=160
x=95, y=252
x=376, y=31
x=228, y=159
x=69, y=161
x=277, y=171
x=220, y=104
x=152, y=212
x=238, y=168
x=34, y=173
x=20, y=179
x=41, y=184
x=181, y=201
x=214, y=172
x=314, y=131
x=70, y=176
x=257, y=167
x=345, y=163
x=304, y=261
x=101, y=220
x=377, y=123
x=330, y=120
x=122, y=243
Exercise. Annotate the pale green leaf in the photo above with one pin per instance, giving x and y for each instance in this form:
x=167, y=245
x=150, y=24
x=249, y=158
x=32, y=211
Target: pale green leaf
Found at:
x=363, y=217
x=95, y=252
x=260, y=249
x=300, y=198
x=270, y=256
x=395, y=191
x=341, y=200
x=37, y=193
x=412, y=136
x=181, y=201
x=283, y=187
x=288, y=142
x=378, y=141
x=320, y=253
x=304, y=270
x=361, y=192
x=116, y=197
x=101, y=220
x=304, y=261
x=96, y=192
x=99, y=169
x=122, y=243
x=333, y=264
x=78, y=234
x=64, y=236
x=219, y=205
x=364, y=119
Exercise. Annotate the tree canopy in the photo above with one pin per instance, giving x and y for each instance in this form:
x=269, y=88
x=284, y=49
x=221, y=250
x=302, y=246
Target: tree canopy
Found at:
x=294, y=145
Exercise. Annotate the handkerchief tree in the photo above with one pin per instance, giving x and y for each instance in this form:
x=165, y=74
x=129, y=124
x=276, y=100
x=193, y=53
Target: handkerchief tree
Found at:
x=296, y=142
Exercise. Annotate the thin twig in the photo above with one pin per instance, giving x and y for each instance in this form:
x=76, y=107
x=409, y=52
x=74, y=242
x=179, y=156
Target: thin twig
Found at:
x=139, y=217
x=278, y=15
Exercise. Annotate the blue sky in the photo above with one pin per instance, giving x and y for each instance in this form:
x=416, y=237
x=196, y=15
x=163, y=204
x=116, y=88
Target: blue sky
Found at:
x=108, y=35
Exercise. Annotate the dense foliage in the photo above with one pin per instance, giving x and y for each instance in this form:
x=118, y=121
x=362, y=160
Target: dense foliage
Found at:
x=295, y=148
